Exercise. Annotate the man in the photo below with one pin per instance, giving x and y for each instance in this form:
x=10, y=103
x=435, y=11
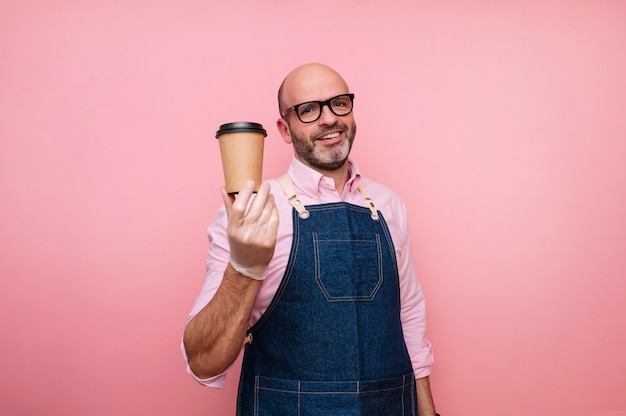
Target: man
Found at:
x=314, y=277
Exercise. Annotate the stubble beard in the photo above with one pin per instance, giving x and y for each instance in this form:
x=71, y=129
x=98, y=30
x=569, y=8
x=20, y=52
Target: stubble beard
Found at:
x=333, y=157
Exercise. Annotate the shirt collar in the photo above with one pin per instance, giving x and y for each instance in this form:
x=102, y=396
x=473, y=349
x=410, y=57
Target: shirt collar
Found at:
x=307, y=180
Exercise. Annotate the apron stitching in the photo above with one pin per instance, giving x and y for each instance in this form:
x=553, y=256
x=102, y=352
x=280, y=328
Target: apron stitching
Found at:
x=256, y=394
x=413, y=397
x=298, y=398
x=402, y=395
x=300, y=393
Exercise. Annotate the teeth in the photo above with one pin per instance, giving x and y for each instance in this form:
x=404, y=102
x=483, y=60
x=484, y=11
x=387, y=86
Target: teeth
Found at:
x=330, y=136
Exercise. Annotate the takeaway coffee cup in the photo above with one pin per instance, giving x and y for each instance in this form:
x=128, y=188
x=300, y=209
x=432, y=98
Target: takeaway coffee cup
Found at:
x=241, y=149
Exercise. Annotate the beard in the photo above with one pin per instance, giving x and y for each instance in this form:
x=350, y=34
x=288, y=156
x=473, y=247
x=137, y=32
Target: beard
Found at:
x=320, y=156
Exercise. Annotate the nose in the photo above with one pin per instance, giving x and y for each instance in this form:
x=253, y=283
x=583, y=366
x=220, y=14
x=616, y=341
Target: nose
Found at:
x=327, y=116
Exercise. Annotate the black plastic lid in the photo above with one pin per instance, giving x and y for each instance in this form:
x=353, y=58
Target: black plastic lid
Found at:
x=239, y=126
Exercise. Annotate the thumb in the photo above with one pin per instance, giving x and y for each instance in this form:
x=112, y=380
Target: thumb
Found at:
x=228, y=200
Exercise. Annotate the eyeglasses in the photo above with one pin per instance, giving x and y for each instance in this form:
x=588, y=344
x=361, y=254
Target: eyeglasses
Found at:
x=311, y=111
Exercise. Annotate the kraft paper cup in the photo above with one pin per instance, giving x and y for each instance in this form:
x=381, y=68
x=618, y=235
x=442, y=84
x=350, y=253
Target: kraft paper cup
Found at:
x=241, y=149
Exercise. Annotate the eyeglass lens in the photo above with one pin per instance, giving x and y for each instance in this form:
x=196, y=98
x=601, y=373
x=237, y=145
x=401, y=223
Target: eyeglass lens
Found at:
x=311, y=111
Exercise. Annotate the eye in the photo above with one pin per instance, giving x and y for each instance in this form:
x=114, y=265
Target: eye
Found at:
x=307, y=108
x=341, y=102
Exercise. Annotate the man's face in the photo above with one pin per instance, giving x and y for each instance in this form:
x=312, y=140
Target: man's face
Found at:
x=324, y=144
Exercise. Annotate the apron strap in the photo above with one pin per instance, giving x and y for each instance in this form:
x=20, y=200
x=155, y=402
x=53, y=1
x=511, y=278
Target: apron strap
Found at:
x=370, y=203
x=302, y=211
x=293, y=198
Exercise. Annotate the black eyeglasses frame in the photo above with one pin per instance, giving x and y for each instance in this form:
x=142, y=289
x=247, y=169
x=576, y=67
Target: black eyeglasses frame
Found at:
x=321, y=104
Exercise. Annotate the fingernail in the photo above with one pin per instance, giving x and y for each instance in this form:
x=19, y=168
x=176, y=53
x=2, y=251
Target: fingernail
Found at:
x=249, y=184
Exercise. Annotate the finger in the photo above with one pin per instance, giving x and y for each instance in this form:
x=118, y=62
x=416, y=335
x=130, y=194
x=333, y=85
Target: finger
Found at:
x=270, y=220
x=228, y=200
x=257, y=206
x=269, y=206
x=238, y=208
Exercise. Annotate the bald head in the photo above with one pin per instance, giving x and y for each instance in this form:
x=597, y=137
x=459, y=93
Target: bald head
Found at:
x=310, y=82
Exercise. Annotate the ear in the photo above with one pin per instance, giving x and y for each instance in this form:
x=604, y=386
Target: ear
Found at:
x=283, y=129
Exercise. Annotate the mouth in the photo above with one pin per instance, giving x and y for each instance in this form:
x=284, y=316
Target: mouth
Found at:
x=329, y=136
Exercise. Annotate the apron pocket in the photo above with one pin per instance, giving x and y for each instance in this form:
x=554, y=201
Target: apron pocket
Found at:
x=348, y=267
x=392, y=397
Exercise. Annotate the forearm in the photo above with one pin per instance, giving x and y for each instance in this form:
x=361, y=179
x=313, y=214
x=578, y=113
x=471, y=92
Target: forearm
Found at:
x=425, y=403
x=213, y=338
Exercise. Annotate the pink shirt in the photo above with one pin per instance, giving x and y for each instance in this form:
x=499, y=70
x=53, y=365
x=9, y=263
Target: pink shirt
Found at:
x=313, y=188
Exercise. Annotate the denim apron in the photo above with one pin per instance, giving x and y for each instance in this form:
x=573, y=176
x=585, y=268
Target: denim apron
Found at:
x=331, y=343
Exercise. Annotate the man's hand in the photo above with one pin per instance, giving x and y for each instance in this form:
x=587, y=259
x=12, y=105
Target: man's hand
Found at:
x=252, y=228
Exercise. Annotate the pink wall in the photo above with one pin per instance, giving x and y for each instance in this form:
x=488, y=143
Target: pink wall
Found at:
x=502, y=126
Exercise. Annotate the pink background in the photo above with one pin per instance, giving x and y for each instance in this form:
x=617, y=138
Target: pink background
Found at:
x=502, y=125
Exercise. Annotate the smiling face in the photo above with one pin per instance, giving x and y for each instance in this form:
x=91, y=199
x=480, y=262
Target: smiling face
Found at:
x=324, y=144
